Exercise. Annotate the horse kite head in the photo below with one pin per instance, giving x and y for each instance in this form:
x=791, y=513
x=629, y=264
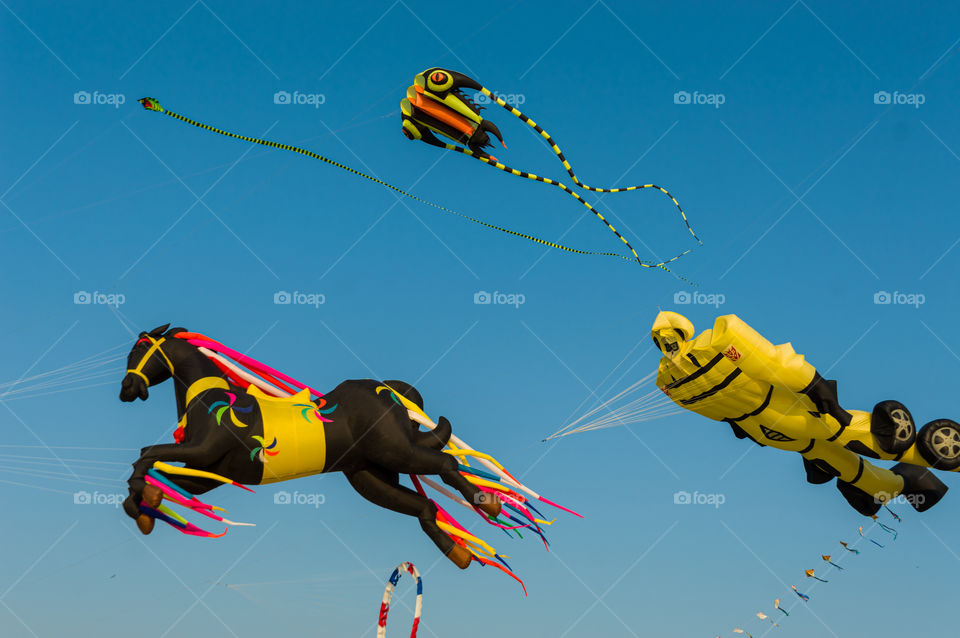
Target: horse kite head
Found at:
x=147, y=363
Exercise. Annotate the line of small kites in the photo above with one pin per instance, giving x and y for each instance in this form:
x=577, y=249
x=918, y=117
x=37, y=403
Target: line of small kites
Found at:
x=810, y=573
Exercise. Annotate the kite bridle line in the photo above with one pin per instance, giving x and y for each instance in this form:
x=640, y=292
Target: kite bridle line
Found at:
x=151, y=104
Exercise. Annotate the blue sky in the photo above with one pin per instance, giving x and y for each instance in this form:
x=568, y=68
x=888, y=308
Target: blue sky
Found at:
x=811, y=199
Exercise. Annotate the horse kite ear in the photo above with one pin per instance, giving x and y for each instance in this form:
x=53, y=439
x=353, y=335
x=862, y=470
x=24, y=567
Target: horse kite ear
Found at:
x=159, y=330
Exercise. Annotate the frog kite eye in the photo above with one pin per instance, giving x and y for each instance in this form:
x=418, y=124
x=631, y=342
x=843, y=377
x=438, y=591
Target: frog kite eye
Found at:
x=440, y=80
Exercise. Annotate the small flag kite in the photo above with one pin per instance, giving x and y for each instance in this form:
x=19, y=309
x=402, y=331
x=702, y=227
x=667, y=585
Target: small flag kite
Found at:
x=737, y=630
x=776, y=604
x=810, y=574
x=849, y=549
x=805, y=598
x=826, y=557
x=763, y=616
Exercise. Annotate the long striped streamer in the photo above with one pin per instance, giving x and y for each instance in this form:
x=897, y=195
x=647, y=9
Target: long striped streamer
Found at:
x=576, y=180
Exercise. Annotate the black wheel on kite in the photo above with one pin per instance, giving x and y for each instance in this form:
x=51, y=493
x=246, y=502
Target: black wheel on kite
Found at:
x=893, y=426
x=939, y=444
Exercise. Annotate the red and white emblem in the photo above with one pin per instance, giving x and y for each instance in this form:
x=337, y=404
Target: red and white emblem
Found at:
x=730, y=352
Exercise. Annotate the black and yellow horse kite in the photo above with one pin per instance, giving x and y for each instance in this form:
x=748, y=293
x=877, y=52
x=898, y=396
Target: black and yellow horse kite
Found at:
x=437, y=103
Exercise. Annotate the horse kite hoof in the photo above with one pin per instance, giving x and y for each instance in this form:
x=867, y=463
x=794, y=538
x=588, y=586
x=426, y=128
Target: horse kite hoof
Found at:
x=460, y=556
x=145, y=524
x=152, y=496
x=489, y=504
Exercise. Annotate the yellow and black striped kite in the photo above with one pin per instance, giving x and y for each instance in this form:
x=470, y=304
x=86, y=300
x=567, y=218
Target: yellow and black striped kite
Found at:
x=437, y=103
x=152, y=104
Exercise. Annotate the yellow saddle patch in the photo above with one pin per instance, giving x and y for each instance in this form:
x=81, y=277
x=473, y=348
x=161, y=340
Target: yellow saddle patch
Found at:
x=294, y=423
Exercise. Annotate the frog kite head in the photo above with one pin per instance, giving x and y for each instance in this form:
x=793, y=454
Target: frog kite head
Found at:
x=437, y=104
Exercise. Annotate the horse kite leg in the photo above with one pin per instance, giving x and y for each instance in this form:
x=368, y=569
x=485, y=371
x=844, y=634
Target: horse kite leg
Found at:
x=201, y=455
x=401, y=455
x=383, y=488
x=435, y=439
